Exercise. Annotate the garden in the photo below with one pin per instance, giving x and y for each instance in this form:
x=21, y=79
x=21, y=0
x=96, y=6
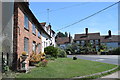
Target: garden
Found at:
x=57, y=65
x=89, y=49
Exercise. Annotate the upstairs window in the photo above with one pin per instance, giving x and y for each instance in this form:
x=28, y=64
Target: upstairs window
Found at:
x=33, y=29
x=26, y=45
x=26, y=24
x=39, y=34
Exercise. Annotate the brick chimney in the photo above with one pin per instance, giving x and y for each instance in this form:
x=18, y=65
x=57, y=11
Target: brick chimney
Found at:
x=109, y=33
x=86, y=31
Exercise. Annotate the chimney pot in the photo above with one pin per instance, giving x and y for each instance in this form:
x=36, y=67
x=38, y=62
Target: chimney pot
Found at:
x=86, y=30
x=109, y=33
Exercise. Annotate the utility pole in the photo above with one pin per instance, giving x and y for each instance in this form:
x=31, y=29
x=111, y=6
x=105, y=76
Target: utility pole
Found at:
x=48, y=15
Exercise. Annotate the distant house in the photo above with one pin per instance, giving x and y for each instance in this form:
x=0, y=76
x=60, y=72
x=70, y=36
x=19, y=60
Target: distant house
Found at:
x=48, y=37
x=111, y=41
x=88, y=38
x=63, y=42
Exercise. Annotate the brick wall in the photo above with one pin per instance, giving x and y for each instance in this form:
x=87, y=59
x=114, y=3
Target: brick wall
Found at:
x=20, y=33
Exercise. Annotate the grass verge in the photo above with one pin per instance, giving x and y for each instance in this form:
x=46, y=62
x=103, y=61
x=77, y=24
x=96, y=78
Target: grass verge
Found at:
x=67, y=68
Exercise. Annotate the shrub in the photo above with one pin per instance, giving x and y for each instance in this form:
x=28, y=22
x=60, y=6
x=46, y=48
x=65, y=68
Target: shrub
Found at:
x=74, y=58
x=51, y=50
x=114, y=51
x=62, y=53
x=35, y=58
x=43, y=63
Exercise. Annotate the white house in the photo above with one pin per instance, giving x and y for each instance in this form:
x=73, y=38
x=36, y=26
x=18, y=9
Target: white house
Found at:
x=48, y=37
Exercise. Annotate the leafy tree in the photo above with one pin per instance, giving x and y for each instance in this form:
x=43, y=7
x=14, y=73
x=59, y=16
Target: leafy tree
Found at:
x=51, y=50
x=66, y=34
x=60, y=34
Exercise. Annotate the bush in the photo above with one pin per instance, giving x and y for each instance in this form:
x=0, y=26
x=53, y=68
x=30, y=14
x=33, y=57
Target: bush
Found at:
x=49, y=57
x=43, y=63
x=35, y=57
x=114, y=51
x=51, y=50
x=62, y=53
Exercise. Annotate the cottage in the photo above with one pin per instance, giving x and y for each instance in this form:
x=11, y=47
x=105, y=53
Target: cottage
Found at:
x=88, y=38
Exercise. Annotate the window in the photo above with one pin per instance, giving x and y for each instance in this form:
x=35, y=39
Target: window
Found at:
x=96, y=41
x=26, y=45
x=26, y=22
x=82, y=43
x=33, y=29
x=44, y=44
x=91, y=41
x=34, y=46
x=38, y=34
x=78, y=42
x=39, y=46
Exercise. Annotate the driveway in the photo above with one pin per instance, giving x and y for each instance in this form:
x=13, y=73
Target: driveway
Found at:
x=111, y=59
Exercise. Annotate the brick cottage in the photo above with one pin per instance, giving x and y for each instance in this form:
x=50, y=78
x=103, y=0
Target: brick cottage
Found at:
x=26, y=34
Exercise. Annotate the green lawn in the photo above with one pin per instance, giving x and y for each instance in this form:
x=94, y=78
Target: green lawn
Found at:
x=67, y=68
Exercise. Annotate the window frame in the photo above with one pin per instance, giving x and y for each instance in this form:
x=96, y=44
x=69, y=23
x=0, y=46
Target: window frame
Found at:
x=34, y=29
x=26, y=50
x=26, y=22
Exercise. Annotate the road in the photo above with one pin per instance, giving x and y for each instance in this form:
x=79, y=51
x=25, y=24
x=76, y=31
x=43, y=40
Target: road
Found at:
x=111, y=59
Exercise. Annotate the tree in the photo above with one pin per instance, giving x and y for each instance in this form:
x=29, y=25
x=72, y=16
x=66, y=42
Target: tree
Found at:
x=60, y=34
x=66, y=34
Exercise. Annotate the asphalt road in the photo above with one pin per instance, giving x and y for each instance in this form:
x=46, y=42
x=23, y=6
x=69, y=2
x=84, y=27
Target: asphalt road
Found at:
x=111, y=59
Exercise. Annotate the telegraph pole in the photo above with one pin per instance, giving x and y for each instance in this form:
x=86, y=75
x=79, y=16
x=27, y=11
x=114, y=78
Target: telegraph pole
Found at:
x=48, y=15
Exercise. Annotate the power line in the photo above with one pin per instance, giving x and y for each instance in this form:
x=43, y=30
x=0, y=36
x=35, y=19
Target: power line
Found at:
x=64, y=8
x=88, y=16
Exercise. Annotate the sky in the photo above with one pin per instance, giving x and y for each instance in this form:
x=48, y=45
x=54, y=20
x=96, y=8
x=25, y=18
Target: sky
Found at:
x=75, y=11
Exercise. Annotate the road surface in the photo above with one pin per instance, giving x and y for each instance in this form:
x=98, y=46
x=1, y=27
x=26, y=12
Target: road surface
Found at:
x=111, y=59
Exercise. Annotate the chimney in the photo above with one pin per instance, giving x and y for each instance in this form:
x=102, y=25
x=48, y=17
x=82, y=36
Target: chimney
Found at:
x=109, y=33
x=86, y=30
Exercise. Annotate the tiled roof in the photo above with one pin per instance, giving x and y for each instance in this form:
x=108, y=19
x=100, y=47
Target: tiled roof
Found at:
x=43, y=23
x=89, y=36
x=62, y=40
x=113, y=38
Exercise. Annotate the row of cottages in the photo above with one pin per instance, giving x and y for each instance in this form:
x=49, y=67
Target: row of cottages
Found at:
x=111, y=41
x=25, y=33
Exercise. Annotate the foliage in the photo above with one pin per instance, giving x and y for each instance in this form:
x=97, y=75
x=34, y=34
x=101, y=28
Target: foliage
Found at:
x=72, y=48
x=74, y=58
x=43, y=63
x=103, y=48
x=35, y=57
x=115, y=51
x=49, y=57
x=51, y=50
x=60, y=34
x=66, y=34
x=61, y=53
x=24, y=53
x=76, y=48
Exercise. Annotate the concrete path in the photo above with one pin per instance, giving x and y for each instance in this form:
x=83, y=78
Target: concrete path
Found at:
x=113, y=75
